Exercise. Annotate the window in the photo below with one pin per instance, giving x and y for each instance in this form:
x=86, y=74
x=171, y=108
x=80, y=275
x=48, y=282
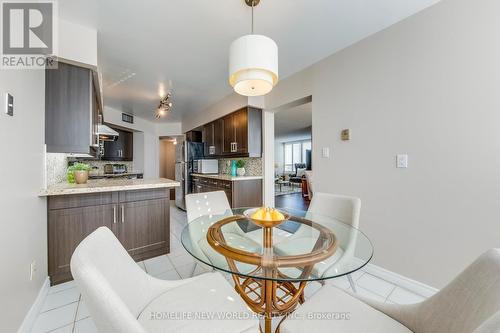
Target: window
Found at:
x=305, y=146
x=295, y=152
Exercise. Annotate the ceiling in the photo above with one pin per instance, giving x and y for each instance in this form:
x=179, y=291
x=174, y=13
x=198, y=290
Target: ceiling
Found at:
x=293, y=123
x=149, y=47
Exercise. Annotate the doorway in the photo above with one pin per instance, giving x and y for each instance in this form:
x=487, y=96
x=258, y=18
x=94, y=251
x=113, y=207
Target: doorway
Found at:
x=292, y=155
x=167, y=160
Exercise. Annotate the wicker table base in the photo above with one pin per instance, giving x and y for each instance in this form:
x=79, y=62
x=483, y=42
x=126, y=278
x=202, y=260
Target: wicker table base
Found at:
x=266, y=290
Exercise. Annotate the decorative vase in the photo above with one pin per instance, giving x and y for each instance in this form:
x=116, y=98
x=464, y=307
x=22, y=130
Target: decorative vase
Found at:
x=81, y=176
x=240, y=171
x=233, y=168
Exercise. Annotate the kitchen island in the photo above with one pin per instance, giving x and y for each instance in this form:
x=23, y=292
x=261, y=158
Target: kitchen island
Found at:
x=136, y=210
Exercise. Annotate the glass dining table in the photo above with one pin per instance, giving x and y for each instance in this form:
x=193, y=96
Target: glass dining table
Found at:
x=272, y=264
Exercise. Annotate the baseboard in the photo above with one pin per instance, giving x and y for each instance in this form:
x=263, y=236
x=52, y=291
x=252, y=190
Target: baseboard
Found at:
x=32, y=314
x=416, y=287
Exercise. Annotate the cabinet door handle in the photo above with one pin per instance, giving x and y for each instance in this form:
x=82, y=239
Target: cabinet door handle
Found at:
x=123, y=214
x=114, y=214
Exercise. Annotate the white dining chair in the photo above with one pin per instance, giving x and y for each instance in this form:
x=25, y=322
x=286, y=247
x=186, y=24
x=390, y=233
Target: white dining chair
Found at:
x=122, y=298
x=469, y=304
x=211, y=207
x=323, y=208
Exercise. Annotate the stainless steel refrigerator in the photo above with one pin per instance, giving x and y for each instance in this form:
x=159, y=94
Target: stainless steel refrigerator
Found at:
x=185, y=153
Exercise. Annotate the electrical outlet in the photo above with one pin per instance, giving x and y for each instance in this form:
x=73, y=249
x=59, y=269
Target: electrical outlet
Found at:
x=32, y=270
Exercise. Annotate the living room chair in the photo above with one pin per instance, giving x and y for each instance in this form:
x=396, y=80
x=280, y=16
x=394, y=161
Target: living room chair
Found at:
x=122, y=298
x=212, y=206
x=469, y=304
x=295, y=178
x=323, y=207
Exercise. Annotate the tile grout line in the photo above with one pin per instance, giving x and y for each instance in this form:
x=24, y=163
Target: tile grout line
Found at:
x=397, y=286
x=60, y=291
x=76, y=313
x=387, y=298
x=58, y=307
x=175, y=268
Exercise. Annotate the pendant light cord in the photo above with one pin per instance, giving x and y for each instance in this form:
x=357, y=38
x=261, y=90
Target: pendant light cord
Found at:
x=252, y=15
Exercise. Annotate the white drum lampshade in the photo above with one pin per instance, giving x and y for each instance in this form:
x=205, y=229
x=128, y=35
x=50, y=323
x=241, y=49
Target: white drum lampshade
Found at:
x=253, y=65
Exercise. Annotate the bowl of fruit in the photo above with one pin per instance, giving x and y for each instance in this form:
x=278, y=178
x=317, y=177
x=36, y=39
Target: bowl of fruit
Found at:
x=266, y=217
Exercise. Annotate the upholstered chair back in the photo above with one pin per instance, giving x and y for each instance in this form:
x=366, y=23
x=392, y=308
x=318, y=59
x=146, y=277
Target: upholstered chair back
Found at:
x=208, y=203
x=114, y=287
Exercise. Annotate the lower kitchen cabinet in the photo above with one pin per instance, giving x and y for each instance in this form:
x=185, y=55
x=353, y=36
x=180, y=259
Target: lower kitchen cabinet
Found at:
x=140, y=220
x=240, y=193
x=67, y=228
x=141, y=228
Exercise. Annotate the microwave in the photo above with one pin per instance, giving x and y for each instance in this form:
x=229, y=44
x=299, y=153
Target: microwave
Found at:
x=206, y=166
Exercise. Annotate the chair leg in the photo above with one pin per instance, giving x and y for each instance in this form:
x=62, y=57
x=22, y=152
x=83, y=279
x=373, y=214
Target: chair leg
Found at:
x=351, y=281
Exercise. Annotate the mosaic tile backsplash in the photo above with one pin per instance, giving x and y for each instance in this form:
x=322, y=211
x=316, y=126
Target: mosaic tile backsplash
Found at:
x=100, y=164
x=57, y=165
x=253, y=166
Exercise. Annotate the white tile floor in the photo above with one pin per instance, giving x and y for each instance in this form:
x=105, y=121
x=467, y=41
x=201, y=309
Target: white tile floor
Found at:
x=64, y=310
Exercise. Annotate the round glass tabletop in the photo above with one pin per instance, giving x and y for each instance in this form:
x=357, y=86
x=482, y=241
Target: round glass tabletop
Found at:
x=305, y=247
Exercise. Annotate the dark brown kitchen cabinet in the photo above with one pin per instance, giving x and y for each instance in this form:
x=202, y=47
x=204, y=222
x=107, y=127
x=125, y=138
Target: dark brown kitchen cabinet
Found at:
x=71, y=109
x=242, y=133
x=212, y=138
x=194, y=136
x=238, y=134
x=138, y=237
x=120, y=150
x=139, y=219
x=240, y=193
x=67, y=228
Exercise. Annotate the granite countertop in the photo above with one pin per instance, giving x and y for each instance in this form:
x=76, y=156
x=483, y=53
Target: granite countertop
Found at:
x=107, y=185
x=226, y=177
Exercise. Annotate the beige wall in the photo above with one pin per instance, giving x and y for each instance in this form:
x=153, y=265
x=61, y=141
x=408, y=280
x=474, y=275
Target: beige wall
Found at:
x=428, y=86
x=23, y=220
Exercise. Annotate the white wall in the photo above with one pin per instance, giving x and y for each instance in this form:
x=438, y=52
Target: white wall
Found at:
x=77, y=43
x=146, y=140
x=427, y=86
x=23, y=216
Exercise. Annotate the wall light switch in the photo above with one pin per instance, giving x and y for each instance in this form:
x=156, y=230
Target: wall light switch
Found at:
x=32, y=270
x=325, y=152
x=9, y=104
x=402, y=161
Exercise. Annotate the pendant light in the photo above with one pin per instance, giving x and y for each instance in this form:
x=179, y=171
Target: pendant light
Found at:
x=253, y=62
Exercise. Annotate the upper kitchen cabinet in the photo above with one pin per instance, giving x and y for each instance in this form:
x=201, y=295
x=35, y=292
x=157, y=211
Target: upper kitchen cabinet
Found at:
x=121, y=149
x=212, y=138
x=194, y=136
x=242, y=133
x=71, y=110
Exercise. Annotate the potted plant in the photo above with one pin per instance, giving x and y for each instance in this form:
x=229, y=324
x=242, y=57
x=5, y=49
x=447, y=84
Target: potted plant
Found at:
x=240, y=165
x=79, y=173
